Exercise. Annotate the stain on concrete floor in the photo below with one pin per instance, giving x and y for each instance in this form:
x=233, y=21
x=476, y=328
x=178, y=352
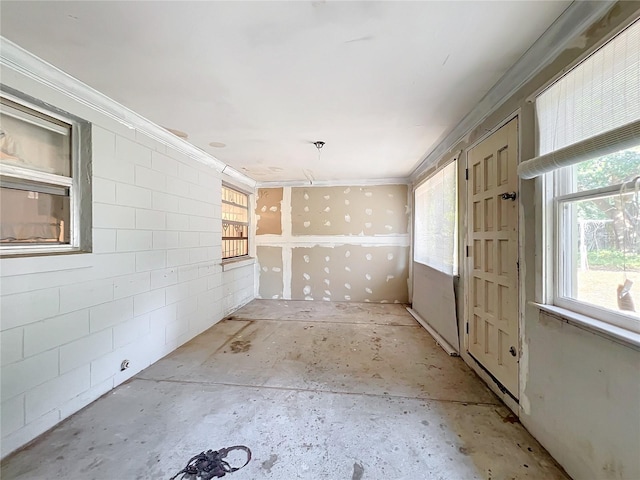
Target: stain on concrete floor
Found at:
x=311, y=403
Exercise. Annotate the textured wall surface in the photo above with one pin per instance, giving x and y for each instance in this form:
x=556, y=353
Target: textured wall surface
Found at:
x=350, y=273
x=348, y=243
x=268, y=211
x=153, y=281
x=271, y=284
x=369, y=210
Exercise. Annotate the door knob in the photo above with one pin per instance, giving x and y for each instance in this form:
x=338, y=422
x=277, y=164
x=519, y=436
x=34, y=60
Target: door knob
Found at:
x=512, y=351
x=508, y=196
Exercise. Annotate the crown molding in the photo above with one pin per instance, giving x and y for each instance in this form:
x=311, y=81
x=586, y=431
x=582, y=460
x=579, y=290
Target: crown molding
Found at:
x=573, y=21
x=24, y=62
x=336, y=183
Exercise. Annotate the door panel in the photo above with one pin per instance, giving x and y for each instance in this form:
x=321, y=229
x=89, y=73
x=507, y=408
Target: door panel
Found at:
x=492, y=310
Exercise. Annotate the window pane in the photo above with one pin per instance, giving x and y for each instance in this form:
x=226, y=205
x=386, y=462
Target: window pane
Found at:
x=601, y=251
x=436, y=221
x=39, y=144
x=612, y=169
x=32, y=217
x=235, y=223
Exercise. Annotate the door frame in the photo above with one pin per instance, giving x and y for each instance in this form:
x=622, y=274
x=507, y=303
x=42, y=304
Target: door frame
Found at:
x=511, y=401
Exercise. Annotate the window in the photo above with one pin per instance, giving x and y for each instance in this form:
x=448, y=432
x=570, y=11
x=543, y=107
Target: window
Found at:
x=436, y=221
x=39, y=192
x=598, y=236
x=589, y=145
x=235, y=223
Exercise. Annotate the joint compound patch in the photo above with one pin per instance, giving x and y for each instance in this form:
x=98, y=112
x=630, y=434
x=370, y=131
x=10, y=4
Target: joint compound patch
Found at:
x=345, y=210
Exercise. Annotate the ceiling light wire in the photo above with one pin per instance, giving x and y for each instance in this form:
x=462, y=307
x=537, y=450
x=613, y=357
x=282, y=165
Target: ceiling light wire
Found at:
x=319, y=145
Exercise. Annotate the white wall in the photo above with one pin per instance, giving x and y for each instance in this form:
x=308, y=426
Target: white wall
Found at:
x=582, y=399
x=579, y=391
x=153, y=281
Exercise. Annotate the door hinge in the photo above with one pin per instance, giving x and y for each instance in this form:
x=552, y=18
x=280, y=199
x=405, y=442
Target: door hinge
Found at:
x=467, y=248
x=466, y=174
x=518, y=265
x=467, y=327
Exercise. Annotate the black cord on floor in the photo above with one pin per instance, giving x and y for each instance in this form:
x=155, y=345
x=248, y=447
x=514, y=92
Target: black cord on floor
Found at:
x=211, y=464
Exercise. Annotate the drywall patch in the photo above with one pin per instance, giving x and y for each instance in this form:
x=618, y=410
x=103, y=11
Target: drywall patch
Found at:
x=270, y=264
x=268, y=211
x=383, y=278
x=370, y=210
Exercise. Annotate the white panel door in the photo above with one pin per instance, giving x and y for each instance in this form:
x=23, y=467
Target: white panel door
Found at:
x=492, y=266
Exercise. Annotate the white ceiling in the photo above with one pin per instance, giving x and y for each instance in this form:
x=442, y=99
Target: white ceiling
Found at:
x=379, y=82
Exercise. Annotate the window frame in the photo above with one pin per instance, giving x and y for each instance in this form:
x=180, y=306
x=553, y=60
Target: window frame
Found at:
x=561, y=281
x=552, y=188
x=79, y=191
x=247, y=255
x=455, y=265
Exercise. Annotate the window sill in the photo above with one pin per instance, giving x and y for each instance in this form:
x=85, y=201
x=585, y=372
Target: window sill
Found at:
x=606, y=330
x=39, y=250
x=233, y=263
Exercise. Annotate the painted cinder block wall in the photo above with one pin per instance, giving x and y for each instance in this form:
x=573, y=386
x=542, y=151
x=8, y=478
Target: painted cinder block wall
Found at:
x=333, y=243
x=153, y=280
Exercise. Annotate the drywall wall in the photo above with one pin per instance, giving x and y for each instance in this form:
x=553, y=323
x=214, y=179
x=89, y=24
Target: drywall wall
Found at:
x=268, y=211
x=350, y=273
x=579, y=391
x=347, y=243
x=153, y=280
x=365, y=210
x=437, y=304
x=270, y=279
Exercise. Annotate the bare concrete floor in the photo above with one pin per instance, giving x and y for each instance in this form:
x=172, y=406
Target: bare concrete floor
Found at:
x=316, y=390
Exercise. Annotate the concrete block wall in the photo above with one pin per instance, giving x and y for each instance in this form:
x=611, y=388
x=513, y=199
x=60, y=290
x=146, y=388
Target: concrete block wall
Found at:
x=153, y=281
